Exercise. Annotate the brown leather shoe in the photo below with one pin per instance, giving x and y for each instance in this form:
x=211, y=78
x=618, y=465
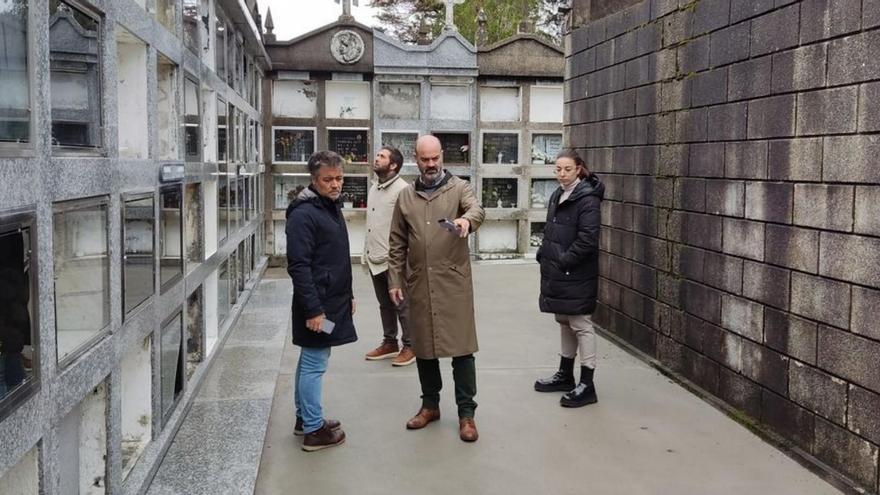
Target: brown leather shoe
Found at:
x=422, y=418
x=467, y=430
x=384, y=351
x=323, y=438
x=298, y=427
x=405, y=358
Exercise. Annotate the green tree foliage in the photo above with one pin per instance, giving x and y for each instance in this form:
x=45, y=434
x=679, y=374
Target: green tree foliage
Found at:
x=402, y=18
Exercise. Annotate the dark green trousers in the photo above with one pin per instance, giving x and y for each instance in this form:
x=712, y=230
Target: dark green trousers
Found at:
x=464, y=372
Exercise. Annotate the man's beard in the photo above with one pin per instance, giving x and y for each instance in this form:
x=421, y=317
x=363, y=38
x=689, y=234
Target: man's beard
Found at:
x=430, y=182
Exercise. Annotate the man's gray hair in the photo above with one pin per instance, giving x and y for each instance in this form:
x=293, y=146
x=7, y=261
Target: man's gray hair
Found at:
x=324, y=159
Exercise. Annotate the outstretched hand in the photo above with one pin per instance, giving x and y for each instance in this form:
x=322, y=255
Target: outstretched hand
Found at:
x=464, y=227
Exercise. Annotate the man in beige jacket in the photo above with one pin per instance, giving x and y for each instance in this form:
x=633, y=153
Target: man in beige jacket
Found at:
x=431, y=260
x=380, y=206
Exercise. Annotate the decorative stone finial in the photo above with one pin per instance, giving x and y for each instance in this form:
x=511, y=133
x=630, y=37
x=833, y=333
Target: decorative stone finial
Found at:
x=270, y=26
x=424, y=33
x=482, y=30
x=346, y=9
x=526, y=26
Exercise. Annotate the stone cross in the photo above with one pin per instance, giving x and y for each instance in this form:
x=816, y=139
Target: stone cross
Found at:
x=346, y=7
x=450, y=13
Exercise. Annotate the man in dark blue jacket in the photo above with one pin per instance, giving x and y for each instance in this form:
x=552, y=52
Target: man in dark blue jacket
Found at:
x=323, y=302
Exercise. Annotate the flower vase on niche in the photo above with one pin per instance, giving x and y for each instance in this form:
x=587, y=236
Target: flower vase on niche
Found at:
x=499, y=204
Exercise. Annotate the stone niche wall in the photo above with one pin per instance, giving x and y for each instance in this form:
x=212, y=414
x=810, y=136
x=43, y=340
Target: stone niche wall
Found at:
x=741, y=235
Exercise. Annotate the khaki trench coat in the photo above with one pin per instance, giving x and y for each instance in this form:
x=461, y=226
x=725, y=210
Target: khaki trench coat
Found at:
x=434, y=268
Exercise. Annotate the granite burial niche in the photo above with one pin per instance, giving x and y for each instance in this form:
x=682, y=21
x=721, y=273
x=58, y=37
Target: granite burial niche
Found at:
x=500, y=148
x=399, y=101
x=450, y=102
x=536, y=235
x=499, y=193
x=500, y=104
x=75, y=77
x=139, y=247
x=351, y=144
x=171, y=365
x=18, y=344
x=131, y=90
x=354, y=192
x=195, y=330
x=295, y=99
x=24, y=477
x=349, y=100
x=82, y=443
x=498, y=237
x=191, y=120
x=223, y=287
x=82, y=275
x=170, y=235
x=456, y=147
x=545, y=147
x=292, y=144
x=405, y=142
x=288, y=187
x=15, y=113
x=166, y=111
x=542, y=189
x=137, y=413
x=194, y=218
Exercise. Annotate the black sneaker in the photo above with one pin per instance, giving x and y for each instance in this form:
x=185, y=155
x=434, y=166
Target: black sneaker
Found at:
x=582, y=395
x=559, y=382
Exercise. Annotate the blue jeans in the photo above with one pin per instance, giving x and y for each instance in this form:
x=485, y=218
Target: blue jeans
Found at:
x=307, y=386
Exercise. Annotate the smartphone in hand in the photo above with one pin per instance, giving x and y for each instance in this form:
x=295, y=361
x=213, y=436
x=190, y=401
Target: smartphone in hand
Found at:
x=327, y=326
x=450, y=226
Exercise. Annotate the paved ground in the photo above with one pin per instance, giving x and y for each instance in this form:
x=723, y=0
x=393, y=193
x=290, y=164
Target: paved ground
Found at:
x=646, y=435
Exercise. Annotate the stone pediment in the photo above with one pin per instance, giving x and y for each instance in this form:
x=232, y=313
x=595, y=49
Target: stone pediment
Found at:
x=449, y=53
x=522, y=55
x=343, y=46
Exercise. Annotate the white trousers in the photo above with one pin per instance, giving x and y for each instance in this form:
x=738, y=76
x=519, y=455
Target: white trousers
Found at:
x=577, y=333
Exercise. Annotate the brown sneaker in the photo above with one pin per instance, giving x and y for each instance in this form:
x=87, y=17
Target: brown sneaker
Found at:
x=322, y=439
x=422, y=418
x=331, y=423
x=405, y=358
x=384, y=351
x=467, y=430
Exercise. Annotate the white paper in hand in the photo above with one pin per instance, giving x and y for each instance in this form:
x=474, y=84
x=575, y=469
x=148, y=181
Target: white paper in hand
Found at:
x=327, y=326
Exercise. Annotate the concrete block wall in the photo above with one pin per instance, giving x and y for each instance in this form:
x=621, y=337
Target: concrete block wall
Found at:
x=739, y=144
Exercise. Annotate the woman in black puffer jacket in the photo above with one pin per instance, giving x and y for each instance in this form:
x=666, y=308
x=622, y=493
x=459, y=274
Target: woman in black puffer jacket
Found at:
x=569, y=258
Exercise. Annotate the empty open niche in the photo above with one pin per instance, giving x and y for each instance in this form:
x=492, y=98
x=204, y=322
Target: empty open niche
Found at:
x=24, y=477
x=195, y=330
x=194, y=246
x=167, y=114
x=82, y=443
x=131, y=73
x=171, y=365
x=498, y=237
x=137, y=416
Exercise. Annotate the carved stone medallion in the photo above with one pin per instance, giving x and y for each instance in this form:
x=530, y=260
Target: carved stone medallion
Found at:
x=347, y=47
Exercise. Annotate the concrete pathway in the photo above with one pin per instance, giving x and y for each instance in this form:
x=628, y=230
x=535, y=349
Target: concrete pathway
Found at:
x=647, y=435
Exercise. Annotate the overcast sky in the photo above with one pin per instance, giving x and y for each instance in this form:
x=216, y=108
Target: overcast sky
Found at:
x=295, y=17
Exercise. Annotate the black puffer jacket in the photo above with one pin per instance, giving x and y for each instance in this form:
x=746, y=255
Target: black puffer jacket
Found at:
x=569, y=254
x=319, y=264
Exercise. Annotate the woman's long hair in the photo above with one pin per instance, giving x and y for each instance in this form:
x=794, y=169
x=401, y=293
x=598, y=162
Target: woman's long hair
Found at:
x=583, y=171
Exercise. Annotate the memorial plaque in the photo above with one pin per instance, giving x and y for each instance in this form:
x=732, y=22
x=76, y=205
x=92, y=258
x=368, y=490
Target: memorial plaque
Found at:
x=542, y=189
x=354, y=192
x=545, y=147
x=499, y=193
x=500, y=148
x=288, y=187
x=405, y=142
x=350, y=144
x=294, y=145
x=399, y=101
x=456, y=147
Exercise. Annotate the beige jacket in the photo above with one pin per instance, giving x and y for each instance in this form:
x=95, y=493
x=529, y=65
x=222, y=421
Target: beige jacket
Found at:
x=380, y=208
x=434, y=268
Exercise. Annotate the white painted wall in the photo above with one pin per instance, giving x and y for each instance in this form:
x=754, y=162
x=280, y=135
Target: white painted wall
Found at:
x=348, y=100
x=295, y=99
x=545, y=104
x=499, y=104
x=22, y=478
x=450, y=102
x=131, y=60
x=497, y=236
x=137, y=387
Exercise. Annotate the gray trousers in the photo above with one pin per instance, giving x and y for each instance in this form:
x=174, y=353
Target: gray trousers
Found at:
x=390, y=313
x=577, y=333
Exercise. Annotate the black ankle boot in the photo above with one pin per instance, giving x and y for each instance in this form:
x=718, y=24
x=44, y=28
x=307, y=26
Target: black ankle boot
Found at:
x=584, y=393
x=561, y=381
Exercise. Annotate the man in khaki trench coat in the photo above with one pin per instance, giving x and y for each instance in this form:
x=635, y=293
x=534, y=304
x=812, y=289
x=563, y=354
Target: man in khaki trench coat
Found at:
x=434, y=263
